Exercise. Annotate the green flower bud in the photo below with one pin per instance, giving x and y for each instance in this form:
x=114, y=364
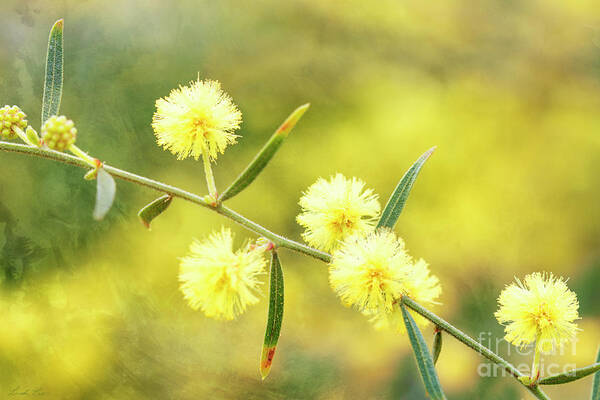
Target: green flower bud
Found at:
x=32, y=136
x=11, y=117
x=59, y=133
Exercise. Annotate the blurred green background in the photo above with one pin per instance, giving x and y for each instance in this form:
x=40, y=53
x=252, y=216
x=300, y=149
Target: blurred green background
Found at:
x=509, y=92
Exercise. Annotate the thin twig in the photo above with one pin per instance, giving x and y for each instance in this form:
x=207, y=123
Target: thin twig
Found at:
x=171, y=190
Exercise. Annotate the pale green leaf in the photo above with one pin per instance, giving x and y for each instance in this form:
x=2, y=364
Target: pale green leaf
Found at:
x=423, y=357
x=397, y=200
x=105, y=193
x=275, y=317
x=570, y=376
x=53, y=83
x=437, y=345
x=596, y=384
x=154, y=209
x=265, y=155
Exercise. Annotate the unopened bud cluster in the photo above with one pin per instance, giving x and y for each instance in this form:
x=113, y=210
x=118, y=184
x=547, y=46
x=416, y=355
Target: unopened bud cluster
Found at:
x=58, y=133
x=11, y=117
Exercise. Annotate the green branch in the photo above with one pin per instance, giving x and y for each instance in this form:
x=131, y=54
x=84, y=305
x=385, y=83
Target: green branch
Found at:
x=170, y=190
x=278, y=240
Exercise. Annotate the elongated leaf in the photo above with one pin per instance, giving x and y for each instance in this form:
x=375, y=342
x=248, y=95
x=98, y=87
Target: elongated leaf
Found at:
x=397, y=200
x=105, y=193
x=596, y=385
x=154, y=209
x=265, y=155
x=275, y=316
x=53, y=83
x=423, y=357
x=437, y=345
x=570, y=376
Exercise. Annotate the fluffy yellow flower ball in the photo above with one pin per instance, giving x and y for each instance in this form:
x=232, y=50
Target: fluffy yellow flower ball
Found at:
x=196, y=119
x=219, y=281
x=540, y=309
x=373, y=272
x=335, y=210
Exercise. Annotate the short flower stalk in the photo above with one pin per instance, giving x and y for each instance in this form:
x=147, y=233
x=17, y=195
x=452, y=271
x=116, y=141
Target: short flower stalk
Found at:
x=535, y=366
x=210, y=178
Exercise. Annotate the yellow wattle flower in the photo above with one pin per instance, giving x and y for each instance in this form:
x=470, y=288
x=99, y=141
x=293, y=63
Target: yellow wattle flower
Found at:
x=541, y=308
x=219, y=281
x=367, y=271
x=196, y=119
x=420, y=286
x=335, y=210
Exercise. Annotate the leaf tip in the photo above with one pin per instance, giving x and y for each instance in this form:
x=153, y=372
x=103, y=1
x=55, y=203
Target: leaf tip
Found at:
x=304, y=107
x=152, y=210
x=264, y=374
x=299, y=112
x=266, y=361
x=145, y=223
x=292, y=120
x=60, y=24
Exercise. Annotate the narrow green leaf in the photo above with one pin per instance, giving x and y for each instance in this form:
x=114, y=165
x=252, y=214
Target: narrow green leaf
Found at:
x=265, y=155
x=275, y=316
x=105, y=193
x=596, y=385
x=53, y=83
x=570, y=376
x=154, y=209
x=437, y=345
x=397, y=200
x=423, y=357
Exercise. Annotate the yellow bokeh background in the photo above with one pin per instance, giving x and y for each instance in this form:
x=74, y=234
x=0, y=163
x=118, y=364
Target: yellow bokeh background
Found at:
x=508, y=92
